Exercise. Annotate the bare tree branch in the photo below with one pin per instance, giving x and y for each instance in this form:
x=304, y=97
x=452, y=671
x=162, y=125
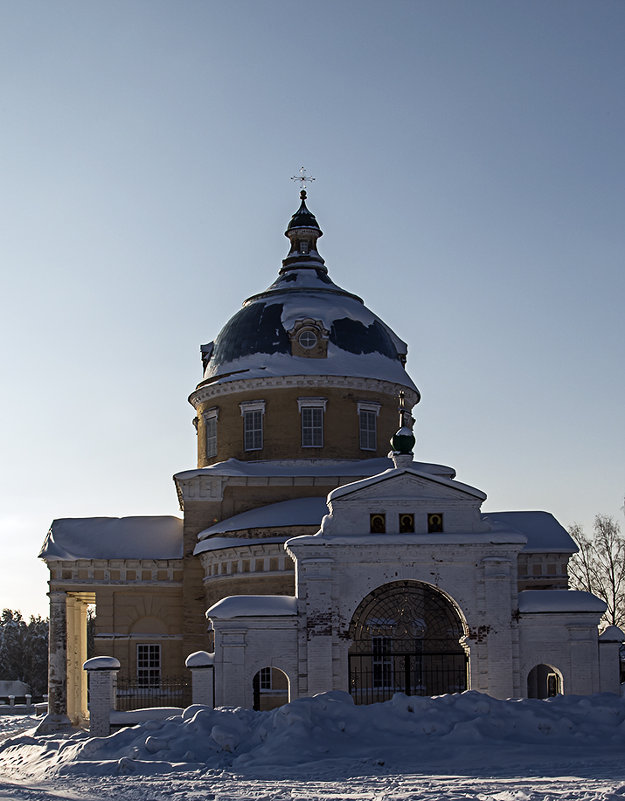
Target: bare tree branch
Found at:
x=599, y=566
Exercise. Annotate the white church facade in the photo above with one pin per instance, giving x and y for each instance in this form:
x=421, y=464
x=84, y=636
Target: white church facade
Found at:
x=309, y=559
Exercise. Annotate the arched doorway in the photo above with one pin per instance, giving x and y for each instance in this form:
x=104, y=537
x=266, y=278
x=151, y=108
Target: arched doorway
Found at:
x=544, y=681
x=271, y=688
x=405, y=638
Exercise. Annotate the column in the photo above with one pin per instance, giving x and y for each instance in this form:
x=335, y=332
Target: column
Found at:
x=56, y=719
x=76, y=656
x=202, y=667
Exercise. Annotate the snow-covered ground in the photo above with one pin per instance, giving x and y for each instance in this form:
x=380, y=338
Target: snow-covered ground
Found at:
x=451, y=748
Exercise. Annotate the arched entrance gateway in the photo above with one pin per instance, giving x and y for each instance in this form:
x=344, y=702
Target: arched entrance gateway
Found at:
x=405, y=638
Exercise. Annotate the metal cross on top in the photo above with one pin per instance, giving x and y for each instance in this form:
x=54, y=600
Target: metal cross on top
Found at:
x=302, y=178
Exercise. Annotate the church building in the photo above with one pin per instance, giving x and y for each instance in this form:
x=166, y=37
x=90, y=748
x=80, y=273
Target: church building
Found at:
x=308, y=558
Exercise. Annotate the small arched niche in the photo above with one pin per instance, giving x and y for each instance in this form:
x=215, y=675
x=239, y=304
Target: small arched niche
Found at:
x=148, y=625
x=271, y=688
x=544, y=681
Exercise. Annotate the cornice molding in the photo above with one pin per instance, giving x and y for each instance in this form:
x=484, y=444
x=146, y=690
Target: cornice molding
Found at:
x=212, y=391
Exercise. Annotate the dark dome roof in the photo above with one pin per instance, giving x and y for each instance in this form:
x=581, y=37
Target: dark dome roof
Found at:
x=256, y=342
x=303, y=218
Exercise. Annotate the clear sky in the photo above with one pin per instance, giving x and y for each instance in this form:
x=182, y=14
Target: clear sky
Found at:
x=469, y=158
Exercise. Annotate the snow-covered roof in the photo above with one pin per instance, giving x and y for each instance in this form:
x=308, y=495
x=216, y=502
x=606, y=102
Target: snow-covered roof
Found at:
x=72, y=538
x=220, y=543
x=393, y=472
x=537, y=601
x=18, y=688
x=544, y=533
x=612, y=634
x=310, y=467
x=254, y=606
x=296, y=512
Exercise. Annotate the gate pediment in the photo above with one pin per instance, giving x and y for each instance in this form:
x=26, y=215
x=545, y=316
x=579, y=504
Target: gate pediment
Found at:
x=403, y=500
x=407, y=485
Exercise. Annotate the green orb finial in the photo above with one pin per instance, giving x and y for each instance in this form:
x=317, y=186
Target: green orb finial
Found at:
x=403, y=440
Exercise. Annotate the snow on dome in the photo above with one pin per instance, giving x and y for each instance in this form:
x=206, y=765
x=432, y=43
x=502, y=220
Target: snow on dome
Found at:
x=537, y=601
x=158, y=537
x=256, y=340
x=544, y=533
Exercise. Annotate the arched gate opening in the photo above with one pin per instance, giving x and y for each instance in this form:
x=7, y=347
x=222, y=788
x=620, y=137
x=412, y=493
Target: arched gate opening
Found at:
x=544, y=681
x=405, y=638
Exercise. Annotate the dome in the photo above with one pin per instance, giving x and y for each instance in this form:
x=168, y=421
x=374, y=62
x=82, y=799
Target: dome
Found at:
x=261, y=340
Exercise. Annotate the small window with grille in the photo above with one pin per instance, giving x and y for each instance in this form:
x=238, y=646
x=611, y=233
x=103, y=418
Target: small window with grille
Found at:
x=148, y=665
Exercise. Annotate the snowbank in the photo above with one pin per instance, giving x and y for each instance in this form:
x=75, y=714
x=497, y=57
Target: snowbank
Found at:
x=451, y=733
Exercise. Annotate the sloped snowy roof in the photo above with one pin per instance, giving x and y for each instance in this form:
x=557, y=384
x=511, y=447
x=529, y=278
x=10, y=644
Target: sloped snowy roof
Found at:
x=73, y=538
x=394, y=472
x=254, y=606
x=296, y=512
x=310, y=467
x=544, y=533
x=537, y=601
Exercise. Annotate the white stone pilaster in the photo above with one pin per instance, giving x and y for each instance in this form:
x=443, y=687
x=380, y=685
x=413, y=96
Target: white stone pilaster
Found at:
x=202, y=667
x=102, y=672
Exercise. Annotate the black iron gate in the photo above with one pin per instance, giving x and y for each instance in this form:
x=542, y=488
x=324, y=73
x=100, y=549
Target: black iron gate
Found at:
x=406, y=638
x=373, y=679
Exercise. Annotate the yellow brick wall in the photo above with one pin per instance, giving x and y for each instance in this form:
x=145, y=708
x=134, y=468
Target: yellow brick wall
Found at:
x=282, y=424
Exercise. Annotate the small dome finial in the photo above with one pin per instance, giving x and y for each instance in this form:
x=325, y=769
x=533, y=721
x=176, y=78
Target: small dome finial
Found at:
x=403, y=440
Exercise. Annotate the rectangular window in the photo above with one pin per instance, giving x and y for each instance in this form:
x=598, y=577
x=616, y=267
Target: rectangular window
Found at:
x=252, y=413
x=211, y=437
x=368, y=438
x=312, y=427
x=253, y=430
x=368, y=412
x=148, y=665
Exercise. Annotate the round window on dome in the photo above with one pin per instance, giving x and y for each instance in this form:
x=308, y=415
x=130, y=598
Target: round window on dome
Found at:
x=307, y=339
